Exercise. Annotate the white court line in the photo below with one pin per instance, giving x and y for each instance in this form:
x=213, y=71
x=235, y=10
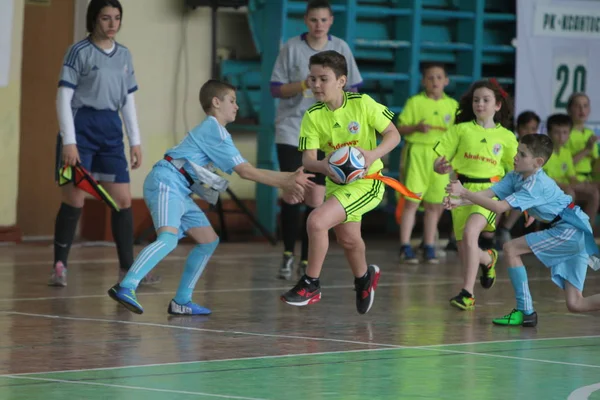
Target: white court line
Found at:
x=232, y=290
x=584, y=393
x=383, y=346
x=191, y=328
x=222, y=396
x=268, y=289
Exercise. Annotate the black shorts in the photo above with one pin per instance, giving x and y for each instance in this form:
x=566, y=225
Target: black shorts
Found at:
x=290, y=159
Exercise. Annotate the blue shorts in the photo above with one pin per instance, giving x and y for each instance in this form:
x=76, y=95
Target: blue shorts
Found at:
x=99, y=136
x=562, y=249
x=168, y=197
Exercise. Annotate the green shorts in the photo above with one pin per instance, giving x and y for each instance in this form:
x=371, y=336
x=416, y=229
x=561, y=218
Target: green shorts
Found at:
x=460, y=215
x=419, y=176
x=357, y=198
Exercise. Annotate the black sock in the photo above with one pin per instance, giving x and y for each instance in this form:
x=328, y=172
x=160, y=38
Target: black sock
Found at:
x=289, y=225
x=304, y=254
x=64, y=231
x=363, y=279
x=486, y=243
x=313, y=281
x=122, y=231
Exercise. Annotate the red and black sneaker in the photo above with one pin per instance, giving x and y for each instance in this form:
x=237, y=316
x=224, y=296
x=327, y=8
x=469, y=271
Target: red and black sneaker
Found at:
x=365, y=291
x=304, y=293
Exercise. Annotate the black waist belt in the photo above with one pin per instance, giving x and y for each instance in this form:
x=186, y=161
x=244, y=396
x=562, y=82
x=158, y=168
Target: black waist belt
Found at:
x=558, y=218
x=468, y=179
x=183, y=171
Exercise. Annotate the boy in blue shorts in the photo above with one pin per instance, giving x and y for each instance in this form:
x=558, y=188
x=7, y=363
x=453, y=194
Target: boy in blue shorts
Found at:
x=189, y=168
x=565, y=248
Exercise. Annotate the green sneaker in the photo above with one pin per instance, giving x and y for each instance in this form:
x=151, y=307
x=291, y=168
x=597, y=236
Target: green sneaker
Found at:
x=488, y=272
x=463, y=300
x=517, y=318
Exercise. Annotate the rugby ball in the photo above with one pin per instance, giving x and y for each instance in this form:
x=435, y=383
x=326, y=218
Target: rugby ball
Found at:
x=348, y=164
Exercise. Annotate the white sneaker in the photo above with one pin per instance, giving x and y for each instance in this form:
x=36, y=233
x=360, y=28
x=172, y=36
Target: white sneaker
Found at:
x=59, y=275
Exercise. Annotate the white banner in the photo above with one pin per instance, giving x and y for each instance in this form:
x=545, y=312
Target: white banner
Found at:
x=6, y=26
x=558, y=53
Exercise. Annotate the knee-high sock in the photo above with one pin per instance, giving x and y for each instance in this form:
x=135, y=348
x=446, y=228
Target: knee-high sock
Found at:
x=289, y=225
x=122, y=231
x=149, y=258
x=518, y=278
x=194, y=266
x=64, y=231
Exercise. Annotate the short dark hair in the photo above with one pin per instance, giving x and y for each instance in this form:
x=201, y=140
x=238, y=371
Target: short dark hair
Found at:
x=526, y=117
x=211, y=89
x=558, y=120
x=316, y=4
x=94, y=9
x=538, y=145
x=428, y=65
x=332, y=59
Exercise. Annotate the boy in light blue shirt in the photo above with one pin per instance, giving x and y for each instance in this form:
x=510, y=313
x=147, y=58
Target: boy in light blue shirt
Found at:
x=189, y=168
x=567, y=247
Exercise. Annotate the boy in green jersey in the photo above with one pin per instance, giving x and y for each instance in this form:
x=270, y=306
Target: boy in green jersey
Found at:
x=423, y=121
x=341, y=119
x=560, y=166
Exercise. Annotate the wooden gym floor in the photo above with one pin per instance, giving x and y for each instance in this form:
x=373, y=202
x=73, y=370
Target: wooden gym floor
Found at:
x=75, y=342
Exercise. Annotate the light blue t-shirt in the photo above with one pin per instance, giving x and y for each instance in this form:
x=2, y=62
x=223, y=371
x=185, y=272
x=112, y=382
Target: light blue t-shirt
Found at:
x=101, y=80
x=538, y=194
x=206, y=144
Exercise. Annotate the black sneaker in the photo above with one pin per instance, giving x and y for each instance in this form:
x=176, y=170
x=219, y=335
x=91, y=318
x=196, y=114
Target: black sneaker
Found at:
x=287, y=265
x=365, y=293
x=488, y=272
x=304, y=293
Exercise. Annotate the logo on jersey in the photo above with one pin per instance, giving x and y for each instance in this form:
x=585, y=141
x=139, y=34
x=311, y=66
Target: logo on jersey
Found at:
x=353, y=127
x=95, y=68
x=564, y=167
x=496, y=149
x=447, y=118
x=336, y=125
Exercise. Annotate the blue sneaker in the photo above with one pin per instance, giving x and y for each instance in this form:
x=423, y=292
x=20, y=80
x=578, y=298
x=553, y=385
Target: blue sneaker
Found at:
x=188, y=308
x=430, y=254
x=126, y=297
x=407, y=254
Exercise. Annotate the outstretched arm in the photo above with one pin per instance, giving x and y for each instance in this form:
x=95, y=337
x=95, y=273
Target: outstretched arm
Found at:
x=482, y=198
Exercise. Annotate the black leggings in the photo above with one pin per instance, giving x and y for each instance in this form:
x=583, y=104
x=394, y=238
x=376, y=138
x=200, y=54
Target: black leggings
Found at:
x=290, y=159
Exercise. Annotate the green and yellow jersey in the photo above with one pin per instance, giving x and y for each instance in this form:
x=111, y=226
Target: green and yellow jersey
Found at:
x=437, y=113
x=560, y=166
x=477, y=152
x=577, y=142
x=355, y=123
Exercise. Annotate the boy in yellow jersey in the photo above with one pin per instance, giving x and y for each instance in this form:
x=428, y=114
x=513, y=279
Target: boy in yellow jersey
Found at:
x=560, y=166
x=424, y=119
x=480, y=148
x=341, y=119
x=582, y=142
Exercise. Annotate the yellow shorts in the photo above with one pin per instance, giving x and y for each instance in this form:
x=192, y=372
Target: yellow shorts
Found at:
x=584, y=177
x=419, y=176
x=460, y=215
x=357, y=198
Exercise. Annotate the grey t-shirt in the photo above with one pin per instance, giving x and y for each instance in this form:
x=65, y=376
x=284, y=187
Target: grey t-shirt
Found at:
x=292, y=66
x=101, y=80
